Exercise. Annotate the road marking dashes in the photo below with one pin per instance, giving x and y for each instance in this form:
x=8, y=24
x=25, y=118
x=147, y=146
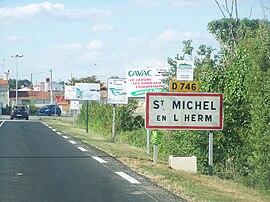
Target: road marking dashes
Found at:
x=2, y=123
x=100, y=160
x=72, y=142
x=82, y=149
x=128, y=178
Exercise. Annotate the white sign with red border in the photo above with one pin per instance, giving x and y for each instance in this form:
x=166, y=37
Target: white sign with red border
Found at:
x=184, y=111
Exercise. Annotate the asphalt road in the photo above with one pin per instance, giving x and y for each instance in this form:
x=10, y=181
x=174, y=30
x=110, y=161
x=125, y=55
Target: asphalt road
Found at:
x=37, y=163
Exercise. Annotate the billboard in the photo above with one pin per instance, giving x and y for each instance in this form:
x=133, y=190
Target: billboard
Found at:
x=186, y=111
x=117, y=92
x=87, y=91
x=184, y=70
x=61, y=101
x=143, y=80
x=70, y=92
x=74, y=105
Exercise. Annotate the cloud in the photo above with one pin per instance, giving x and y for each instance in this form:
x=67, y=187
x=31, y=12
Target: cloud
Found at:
x=102, y=28
x=174, y=3
x=155, y=62
x=185, y=3
x=15, y=38
x=57, y=10
x=71, y=46
x=152, y=62
x=92, y=55
x=172, y=37
x=135, y=42
x=95, y=44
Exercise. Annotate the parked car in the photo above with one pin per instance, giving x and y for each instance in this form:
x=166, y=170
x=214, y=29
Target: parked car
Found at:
x=49, y=110
x=20, y=112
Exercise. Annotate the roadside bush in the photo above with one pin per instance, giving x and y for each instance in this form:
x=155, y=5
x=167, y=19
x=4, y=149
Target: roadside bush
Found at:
x=100, y=117
x=135, y=137
x=33, y=110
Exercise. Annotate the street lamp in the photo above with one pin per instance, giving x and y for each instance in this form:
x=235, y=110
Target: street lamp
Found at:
x=17, y=55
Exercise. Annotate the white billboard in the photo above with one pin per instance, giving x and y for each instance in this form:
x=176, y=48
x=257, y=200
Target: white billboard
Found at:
x=70, y=92
x=87, y=91
x=184, y=70
x=186, y=111
x=74, y=105
x=143, y=80
x=117, y=92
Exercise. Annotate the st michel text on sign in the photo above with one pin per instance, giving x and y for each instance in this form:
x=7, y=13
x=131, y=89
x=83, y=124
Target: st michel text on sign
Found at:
x=184, y=111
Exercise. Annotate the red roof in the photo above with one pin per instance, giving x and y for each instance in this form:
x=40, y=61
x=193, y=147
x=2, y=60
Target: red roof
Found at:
x=30, y=94
x=4, y=82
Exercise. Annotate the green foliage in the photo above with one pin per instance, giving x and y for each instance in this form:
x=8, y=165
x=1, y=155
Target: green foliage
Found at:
x=89, y=79
x=135, y=137
x=21, y=83
x=241, y=72
x=33, y=110
x=100, y=117
x=257, y=51
x=244, y=141
x=230, y=31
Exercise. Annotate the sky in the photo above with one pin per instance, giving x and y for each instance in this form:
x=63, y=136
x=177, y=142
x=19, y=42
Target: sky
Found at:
x=103, y=38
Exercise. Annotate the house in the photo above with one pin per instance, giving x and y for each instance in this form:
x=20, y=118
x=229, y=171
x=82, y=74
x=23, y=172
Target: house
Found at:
x=37, y=98
x=46, y=86
x=4, y=93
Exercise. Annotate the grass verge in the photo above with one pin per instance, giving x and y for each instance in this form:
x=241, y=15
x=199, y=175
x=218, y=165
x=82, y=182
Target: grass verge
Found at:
x=192, y=187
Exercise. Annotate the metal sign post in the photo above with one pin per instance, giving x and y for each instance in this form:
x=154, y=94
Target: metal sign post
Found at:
x=116, y=95
x=155, y=153
x=86, y=118
x=210, y=153
x=113, y=122
x=156, y=139
x=148, y=141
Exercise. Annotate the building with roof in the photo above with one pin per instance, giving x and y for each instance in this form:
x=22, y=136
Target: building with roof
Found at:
x=37, y=98
x=4, y=93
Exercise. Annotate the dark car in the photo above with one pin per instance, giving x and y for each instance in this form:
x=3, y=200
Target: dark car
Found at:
x=49, y=110
x=20, y=112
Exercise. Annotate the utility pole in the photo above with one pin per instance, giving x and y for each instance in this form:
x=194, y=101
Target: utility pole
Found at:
x=16, y=56
x=31, y=80
x=51, y=87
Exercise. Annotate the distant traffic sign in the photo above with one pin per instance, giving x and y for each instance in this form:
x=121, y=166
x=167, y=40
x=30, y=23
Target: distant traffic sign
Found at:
x=184, y=86
x=186, y=111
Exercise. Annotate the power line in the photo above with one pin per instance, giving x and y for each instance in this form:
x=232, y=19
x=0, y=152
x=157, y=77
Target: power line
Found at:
x=30, y=74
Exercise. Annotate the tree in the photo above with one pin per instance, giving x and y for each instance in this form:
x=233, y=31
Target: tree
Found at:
x=89, y=79
x=21, y=83
x=244, y=64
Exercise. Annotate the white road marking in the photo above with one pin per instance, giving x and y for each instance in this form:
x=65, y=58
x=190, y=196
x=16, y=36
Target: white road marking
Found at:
x=128, y=178
x=54, y=130
x=72, y=142
x=50, y=127
x=66, y=137
x=2, y=123
x=82, y=149
x=99, y=159
x=59, y=133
